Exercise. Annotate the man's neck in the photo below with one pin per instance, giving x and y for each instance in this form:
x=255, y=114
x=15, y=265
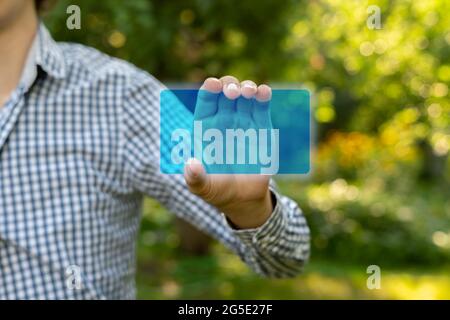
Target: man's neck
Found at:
x=15, y=41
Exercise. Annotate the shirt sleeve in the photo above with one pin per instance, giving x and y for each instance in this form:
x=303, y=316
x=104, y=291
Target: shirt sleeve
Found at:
x=279, y=248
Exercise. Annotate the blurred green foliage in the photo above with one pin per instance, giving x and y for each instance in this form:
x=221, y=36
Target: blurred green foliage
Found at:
x=337, y=270
x=380, y=190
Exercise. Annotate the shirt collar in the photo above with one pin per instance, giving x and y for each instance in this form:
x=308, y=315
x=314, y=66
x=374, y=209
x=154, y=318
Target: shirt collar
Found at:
x=48, y=55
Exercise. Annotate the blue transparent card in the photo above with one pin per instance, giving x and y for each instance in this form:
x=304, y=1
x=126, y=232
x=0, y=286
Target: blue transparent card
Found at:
x=242, y=136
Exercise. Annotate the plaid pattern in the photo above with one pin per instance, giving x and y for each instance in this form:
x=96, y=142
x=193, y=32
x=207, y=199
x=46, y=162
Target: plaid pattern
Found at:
x=78, y=150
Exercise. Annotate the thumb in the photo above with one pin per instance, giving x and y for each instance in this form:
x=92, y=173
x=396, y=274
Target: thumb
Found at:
x=196, y=177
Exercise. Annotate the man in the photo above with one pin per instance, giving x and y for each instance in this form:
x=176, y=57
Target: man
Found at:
x=79, y=147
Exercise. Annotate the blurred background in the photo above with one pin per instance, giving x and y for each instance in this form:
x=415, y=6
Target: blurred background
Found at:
x=379, y=192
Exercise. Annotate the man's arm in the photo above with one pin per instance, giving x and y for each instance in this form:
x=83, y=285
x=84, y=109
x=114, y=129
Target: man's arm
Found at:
x=276, y=245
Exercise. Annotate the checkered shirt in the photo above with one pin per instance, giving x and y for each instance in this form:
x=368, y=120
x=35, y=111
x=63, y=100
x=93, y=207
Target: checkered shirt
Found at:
x=79, y=148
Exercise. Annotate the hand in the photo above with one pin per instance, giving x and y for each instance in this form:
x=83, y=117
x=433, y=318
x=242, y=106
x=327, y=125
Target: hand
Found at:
x=244, y=198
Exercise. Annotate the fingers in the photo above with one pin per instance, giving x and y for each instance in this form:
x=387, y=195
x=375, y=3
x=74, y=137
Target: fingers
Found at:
x=244, y=104
x=226, y=106
x=261, y=112
x=231, y=87
x=227, y=100
x=196, y=178
x=264, y=94
x=212, y=85
x=228, y=95
x=207, y=98
x=248, y=89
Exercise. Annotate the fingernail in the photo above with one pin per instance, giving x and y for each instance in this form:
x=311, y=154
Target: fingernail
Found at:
x=232, y=87
x=249, y=85
x=192, y=161
x=188, y=163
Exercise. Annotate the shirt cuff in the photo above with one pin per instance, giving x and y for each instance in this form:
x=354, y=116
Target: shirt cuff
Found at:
x=267, y=234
